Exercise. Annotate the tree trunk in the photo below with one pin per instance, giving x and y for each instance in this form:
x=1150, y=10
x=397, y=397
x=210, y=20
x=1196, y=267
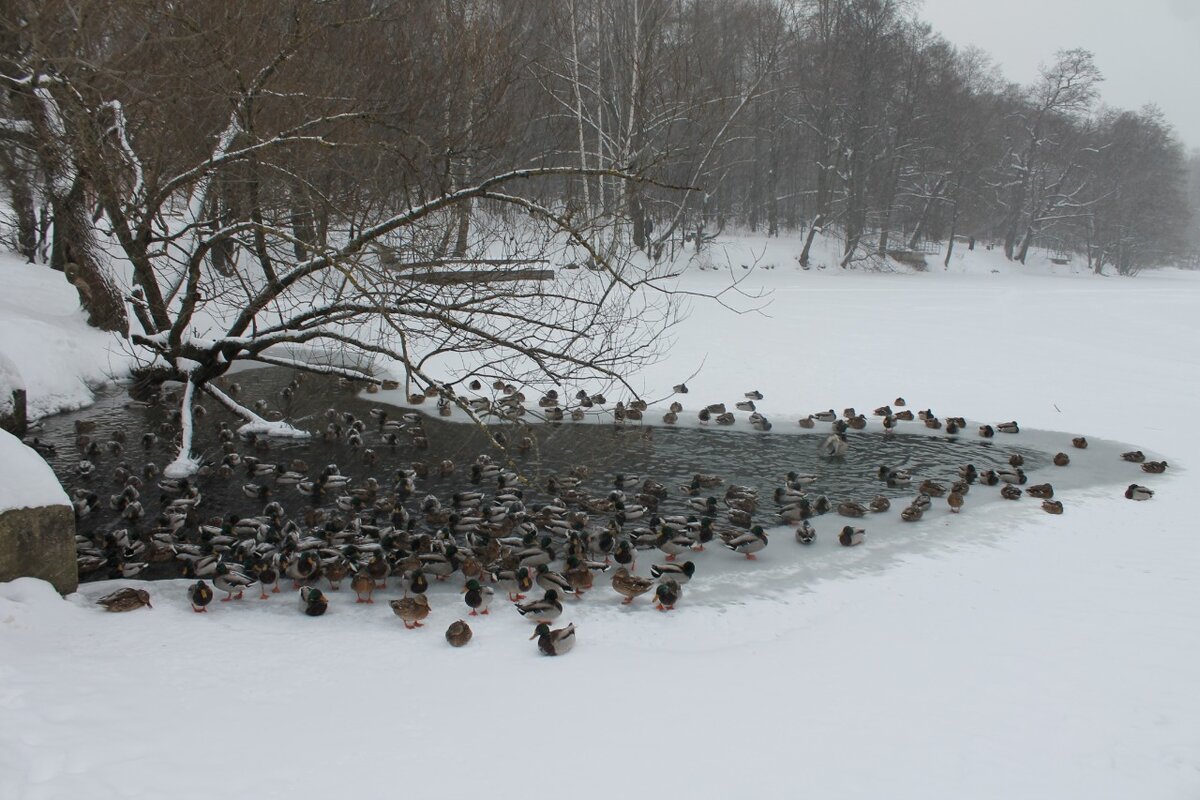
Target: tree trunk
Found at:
x=16, y=178
x=75, y=239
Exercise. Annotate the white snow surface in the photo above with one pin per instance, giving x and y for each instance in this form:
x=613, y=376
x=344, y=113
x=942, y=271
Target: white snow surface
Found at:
x=1018, y=655
x=26, y=480
x=46, y=338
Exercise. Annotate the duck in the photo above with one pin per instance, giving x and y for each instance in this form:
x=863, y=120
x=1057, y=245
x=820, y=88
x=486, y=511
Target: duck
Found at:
x=1010, y=492
x=125, y=600
x=849, y=536
x=680, y=573
x=805, y=533
x=1154, y=467
x=363, y=584
x=1052, y=506
x=858, y=423
x=414, y=582
x=672, y=542
x=670, y=418
x=825, y=416
x=1134, y=456
x=808, y=422
x=835, y=445
x=313, y=601
x=547, y=609
x=302, y=567
x=912, y=513
x=1080, y=442
x=955, y=500
x=1135, y=492
x=233, y=582
x=932, y=488
x=745, y=405
x=1043, y=491
x=879, y=504
x=852, y=509
x=335, y=571
x=459, y=633
x=411, y=610
x=1015, y=475
x=556, y=642
x=1016, y=460
x=477, y=597
x=987, y=431
x=200, y=594
x=629, y=585
x=760, y=423
x=748, y=543
x=667, y=594
x=725, y=419
x=1008, y=427
x=549, y=579
x=883, y=411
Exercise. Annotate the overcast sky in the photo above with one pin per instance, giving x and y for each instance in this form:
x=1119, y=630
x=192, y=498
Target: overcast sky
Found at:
x=1148, y=50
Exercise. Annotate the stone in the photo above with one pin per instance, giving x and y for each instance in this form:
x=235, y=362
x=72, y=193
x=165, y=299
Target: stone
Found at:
x=39, y=543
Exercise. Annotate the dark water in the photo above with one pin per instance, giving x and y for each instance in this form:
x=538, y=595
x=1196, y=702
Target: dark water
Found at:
x=669, y=455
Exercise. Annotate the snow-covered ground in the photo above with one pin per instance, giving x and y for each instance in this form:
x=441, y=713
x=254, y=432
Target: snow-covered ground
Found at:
x=1032, y=656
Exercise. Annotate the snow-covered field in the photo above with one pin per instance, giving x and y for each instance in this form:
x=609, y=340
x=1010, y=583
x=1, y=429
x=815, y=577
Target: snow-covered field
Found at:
x=1032, y=656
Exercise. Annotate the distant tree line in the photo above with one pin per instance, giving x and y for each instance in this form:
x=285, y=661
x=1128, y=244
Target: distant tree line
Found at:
x=845, y=117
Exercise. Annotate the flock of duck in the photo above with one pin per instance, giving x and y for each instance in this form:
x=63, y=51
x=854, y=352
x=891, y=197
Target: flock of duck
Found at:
x=416, y=527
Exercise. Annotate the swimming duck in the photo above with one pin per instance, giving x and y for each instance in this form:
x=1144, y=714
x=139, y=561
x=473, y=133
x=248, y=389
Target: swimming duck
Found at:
x=125, y=600
x=849, y=536
x=1052, y=506
x=808, y=422
x=200, y=594
x=1080, y=442
x=748, y=543
x=1135, y=456
x=1154, y=467
x=363, y=584
x=630, y=586
x=667, y=594
x=411, y=610
x=1043, y=491
x=805, y=533
x=1135, y=492
x=477, y=597
x=834, y=445
x=554, y=642
x=313, y=601
x=458, y=634
x=548, y=609
x=955, y=500
x=681, y=573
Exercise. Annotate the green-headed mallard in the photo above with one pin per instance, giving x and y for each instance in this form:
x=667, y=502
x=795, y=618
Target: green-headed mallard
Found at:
x=411, y=610
x=125, y=600
x=459, y=633
x=200, y=594
x=312, y=601
x=748, y=543
x=1136, y=492
x=680, y=573
x=667, y=594
x=849, y=537
x=515, y=582
x=554, y=642
x=231, y=581
x=1008, y=427
x=477, y=597
x=548, y=609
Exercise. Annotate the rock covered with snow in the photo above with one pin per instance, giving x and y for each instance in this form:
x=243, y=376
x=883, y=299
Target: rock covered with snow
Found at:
x=26, y=480
x=37, y=523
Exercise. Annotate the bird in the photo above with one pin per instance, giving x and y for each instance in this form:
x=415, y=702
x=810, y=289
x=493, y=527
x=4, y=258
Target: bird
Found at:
x=1010, y=492
x=554, y=642
x=753, y=395
x=1043, y=491
x=630, y=586
x=1135, y=456
x=1154, y=467
x=1052, y=506
x=312, y=601
x=667, y=594
x=363, y=584
x=955, y=500
x=805, y=533
x=680, y=573
x=852, y=509
x=200, y=594
x=548, y=609
x=515, y=582
x=411, y=610
x=477, y=597
x=748, y=543
x=1061, y=459
x=1008, y=427
x=1080, y=442
x=125, y=600
x=834, y=445
x=849, y=537
x=458, y=634
x=231, y=581
x=1135, y=492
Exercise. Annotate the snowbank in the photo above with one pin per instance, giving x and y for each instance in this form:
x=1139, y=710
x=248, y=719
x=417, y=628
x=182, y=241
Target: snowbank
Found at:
x=26, y=480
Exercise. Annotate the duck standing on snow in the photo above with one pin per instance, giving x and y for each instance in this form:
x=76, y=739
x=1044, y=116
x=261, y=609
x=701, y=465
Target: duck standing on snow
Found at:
x=548, y=609
x=667, y=594
x=411, y=610
x=477, y=597
x=806, y=534
x=1136, y=492
x=554, y=642
x=748, y=543
x=458, y=634
x=125, y=600
x=630, y=586
x=849, y=537
x=200, y=594
x=312, y=601
x=680, y=573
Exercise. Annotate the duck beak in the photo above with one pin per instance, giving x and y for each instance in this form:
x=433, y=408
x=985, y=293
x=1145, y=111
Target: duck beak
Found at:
x=531, y=638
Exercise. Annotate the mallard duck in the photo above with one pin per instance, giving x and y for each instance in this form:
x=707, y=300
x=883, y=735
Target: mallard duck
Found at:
x=1154, y=467
x=760, y=423
x=1135, y=492
x=745, y=405
x=849, y=536
x=477, y=597
x=630, y=586
x=681, y=573
x=200, y=594
x=667, y=594
x=715, y=409
x=670, y=418
x=233, y=582
x=548, y=609
x=1010, y=492
x=313, y=601
x=989, y=478
x=1080, y=442
x=549, y=579
x=1052, y=506
x=515, y=582
x=302, y=567
x=825, y=416
x=858, y=423
x=880, y=504
x=1016, y=475
x=747, y=543
x=725, y=419
x=335, y=571
x=363, y=584
x=931, y=488
x=911, y=513
x=411, y=610
x=459, y=633
x=625, y=554
x=987, y=431
x=808, y=422
x=834, y=445
x=753, y=395
x=1016, y=460
x=554, y=642
x=1135, y=456
x=414, y=581
x=805, y=533
x=933, y=423
x=1043, y=491
x=673, y=542
x=955, y=500
x=852, y=509
x=1008, y=427
x=883, y=411
x=125, y=600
